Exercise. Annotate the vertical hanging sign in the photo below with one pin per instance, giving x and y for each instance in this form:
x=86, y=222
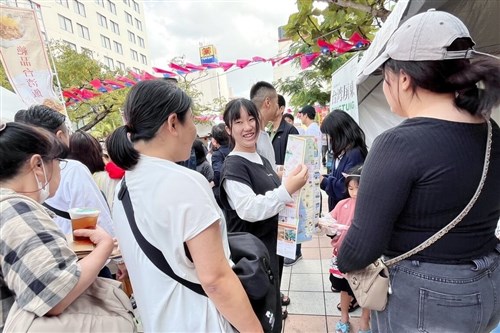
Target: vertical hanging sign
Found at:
x=344, y=94
x=24, y=57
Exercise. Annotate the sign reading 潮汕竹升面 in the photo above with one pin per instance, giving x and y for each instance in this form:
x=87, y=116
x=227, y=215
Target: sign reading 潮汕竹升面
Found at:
x=344, y=94
x=297, y=220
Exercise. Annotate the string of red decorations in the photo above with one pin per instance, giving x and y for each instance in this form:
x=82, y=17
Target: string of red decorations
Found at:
x=340, y=46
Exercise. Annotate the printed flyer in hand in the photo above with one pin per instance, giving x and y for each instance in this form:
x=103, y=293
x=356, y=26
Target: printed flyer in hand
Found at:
x=297, y=220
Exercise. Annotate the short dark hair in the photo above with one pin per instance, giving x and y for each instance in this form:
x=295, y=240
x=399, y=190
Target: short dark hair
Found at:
x=147, y=107
x=260, y=91
x=42, y=116
x=85, y=148
x=281, y=101
x=344, y=132
x=18, y=142
x=232, y=112
x=309, y=111
x=220, y=135
x=289, y=116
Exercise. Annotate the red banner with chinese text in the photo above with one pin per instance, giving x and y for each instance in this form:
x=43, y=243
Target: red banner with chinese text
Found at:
x=24, y=57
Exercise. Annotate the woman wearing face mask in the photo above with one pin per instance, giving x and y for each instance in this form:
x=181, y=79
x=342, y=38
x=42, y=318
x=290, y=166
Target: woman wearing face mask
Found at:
x=30, y=167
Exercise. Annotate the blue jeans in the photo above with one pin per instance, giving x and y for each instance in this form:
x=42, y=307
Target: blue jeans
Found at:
x=441, y=298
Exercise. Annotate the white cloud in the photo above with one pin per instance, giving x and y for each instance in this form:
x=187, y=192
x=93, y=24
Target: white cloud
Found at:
x=238, y=29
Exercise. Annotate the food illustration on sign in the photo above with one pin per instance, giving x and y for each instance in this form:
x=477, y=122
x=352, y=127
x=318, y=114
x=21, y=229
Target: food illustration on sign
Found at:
x=11, y=30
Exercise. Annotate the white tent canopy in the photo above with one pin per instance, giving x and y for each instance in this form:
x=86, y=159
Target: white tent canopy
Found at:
x=10, y=103
x=482, y=20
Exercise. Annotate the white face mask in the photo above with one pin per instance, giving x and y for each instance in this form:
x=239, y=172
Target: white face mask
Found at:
x=44, y=189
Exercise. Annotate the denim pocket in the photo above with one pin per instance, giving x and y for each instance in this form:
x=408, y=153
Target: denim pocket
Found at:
x=461, y=313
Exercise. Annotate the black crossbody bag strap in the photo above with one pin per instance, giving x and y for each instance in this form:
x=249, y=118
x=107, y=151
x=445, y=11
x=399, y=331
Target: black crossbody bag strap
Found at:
x=155, y=255
x=63, y=214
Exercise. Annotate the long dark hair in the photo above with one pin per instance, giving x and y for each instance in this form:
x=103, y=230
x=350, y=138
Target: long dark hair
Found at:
x=232, y=112
x=199, y=152
x=18, y=142
x=148, y=106
x=459, y=76
x=344, y=132
x=85, y=148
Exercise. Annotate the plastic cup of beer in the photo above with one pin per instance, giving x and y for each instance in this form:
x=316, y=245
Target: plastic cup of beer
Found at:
x=83, y=218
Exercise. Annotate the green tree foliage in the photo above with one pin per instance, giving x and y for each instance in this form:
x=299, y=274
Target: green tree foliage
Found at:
x=101, y=114
x=4, y=81
x=339, y=19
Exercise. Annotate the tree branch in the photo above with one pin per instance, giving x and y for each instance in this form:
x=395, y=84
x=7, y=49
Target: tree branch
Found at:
x=97, y=119
x=298, y=33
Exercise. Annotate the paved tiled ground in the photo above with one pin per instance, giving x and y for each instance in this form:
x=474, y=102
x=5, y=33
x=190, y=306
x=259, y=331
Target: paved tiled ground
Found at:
x=313, y=306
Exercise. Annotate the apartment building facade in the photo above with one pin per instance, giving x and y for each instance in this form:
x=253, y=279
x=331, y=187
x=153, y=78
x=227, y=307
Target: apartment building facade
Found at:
x=111, y=31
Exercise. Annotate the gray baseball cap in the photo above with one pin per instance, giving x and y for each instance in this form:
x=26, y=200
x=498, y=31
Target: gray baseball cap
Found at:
x=423, y=37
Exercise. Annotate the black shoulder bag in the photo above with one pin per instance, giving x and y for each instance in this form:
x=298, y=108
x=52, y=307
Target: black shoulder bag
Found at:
x=251, y=265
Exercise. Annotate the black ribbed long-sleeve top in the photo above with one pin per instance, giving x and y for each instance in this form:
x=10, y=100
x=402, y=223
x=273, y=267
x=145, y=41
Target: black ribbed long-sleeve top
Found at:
x=416, y=179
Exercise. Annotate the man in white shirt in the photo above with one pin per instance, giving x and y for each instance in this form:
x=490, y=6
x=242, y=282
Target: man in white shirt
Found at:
x=307, y=116
x=265, y=97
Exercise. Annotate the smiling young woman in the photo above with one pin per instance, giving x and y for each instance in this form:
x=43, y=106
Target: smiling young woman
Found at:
x=251, y=192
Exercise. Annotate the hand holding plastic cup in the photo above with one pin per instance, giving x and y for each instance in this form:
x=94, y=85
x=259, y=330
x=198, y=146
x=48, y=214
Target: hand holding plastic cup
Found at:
x=83, y=218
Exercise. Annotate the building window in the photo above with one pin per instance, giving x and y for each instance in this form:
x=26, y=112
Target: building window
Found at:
x=115, y=27
x=105, y=42
x=127, y=2
x=65, y=24
x=118, y=47
x=131, y=36
x=134, y=55
x=120, y=65
x=129, y=18
x=102, y=20
x=83, y=31
x=144, y=60
x=79, y=8
x=112, y=7
x=137, y=70
x=63, y=2
x=71, y=45
x=100, y=2
x=87, y=52
x=141, y=41
x=109, y=62
x=136, y=7
x=138, y=24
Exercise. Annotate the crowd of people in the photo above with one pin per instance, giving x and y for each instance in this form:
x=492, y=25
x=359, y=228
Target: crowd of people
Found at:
x=413, y=181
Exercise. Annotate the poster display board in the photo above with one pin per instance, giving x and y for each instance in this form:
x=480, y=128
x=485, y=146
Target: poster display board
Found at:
x=297, y=220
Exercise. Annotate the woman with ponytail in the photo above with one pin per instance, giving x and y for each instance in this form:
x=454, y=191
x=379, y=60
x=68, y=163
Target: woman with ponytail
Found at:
x=420, y=175
x=175, y=211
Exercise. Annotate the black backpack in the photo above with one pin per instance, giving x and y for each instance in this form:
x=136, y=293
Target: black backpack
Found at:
x=249, y=254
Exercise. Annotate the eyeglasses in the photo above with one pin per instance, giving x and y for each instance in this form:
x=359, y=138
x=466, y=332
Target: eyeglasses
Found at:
x=62, y=163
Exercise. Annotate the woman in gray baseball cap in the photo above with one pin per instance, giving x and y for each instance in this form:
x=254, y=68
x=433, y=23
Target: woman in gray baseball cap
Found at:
x=420, y=175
